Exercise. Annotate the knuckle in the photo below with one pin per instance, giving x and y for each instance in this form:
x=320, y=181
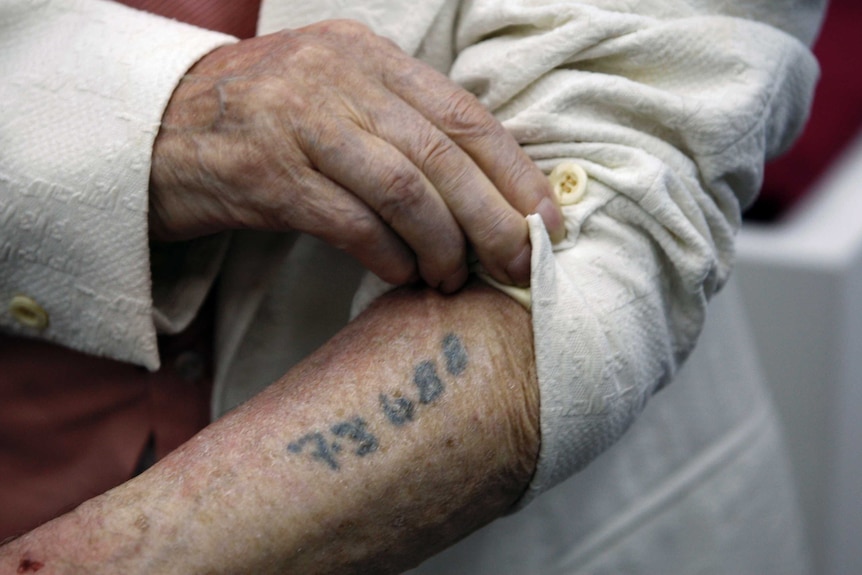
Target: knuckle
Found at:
x=353, y=231
x=283, y=36
x=403, y=191
x=260, y=100
x=522, y=175
x=352, y=27
x=315, y=56
x=348, y=30
x=520, y=170
x=435, y=151
x=463, y=115
x=273, y=208
x=361, y=227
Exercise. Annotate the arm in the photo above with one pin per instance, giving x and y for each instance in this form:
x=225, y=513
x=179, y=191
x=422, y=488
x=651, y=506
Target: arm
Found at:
x=632, y=263
x=273, y=133
x=412, y=427
x=671, y=108
x=84, y=86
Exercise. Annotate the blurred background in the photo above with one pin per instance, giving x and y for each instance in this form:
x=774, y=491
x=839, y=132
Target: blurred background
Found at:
x=800, y=267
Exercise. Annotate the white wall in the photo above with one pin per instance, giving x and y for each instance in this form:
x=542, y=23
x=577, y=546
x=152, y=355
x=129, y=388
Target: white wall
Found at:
x=802, y=283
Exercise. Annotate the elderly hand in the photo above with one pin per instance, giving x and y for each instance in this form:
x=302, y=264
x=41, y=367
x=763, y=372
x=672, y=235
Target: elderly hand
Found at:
x=334, y=131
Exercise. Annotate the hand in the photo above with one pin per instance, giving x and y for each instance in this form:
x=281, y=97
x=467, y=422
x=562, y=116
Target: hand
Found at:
x=333, y=131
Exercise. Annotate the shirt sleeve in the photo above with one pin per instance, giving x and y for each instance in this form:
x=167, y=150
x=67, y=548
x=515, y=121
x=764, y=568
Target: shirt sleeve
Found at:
x=84, y=84
x=670, y=109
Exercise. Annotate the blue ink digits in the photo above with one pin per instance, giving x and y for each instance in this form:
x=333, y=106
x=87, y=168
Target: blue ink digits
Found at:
x=356, y=430
x=401, y=410
x=426, y=379
x=398, y=410
x=324, y=451
x=455, y=354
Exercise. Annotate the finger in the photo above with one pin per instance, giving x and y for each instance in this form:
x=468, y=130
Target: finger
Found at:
x=459, y=115
x=329, y=212
x=496, y=230
x=395, y=189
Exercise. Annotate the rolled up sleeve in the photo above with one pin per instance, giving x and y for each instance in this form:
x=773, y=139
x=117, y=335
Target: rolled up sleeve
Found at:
x=671, y=113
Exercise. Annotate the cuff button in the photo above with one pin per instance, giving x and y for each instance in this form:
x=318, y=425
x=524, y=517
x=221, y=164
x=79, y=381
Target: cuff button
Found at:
x=570, y=183
x=28, y=313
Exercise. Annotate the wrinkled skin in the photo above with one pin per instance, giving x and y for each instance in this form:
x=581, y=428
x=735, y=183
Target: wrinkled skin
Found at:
x=334, y=131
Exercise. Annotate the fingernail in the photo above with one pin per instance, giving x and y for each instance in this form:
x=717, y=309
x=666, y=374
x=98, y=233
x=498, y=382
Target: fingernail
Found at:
x=519, y=268
x=553, y=218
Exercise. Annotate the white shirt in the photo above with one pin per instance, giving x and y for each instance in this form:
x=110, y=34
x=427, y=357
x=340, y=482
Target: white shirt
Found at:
x=669, y=106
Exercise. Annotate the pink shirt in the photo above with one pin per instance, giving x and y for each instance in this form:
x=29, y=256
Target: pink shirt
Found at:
x=73, y=425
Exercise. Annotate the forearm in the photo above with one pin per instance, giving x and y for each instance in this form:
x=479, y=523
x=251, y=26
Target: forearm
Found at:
x=411, y=428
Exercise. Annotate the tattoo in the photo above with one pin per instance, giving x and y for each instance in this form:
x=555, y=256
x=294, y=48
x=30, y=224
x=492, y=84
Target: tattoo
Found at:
x=398, y=410
x=356, y=430
x=456, y=355
x=324, y=451
x=429, y=384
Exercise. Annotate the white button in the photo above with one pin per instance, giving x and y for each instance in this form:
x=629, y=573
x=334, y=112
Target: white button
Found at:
x=570, y=183
x=28, y=313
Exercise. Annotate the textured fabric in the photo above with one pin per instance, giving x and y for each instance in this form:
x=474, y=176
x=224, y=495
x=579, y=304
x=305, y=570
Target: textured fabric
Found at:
x=670, y=110
x=698, y=485
x=670, y=107
x=76, y=132
x=73, y=425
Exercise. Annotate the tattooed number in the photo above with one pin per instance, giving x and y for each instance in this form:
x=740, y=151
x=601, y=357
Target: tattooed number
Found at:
x=323, y=450
x=426, y=379
x=398, y=410
x=356, y=430
x=402, y=410
x=455, y=354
